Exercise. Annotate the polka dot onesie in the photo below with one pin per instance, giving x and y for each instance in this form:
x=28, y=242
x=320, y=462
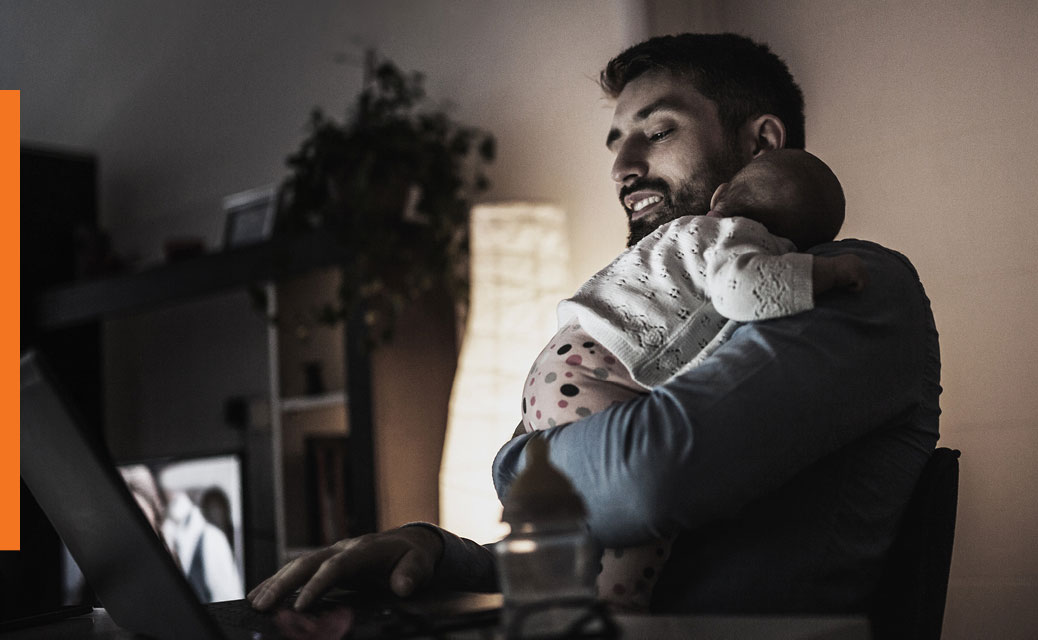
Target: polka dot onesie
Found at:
x=572, y=378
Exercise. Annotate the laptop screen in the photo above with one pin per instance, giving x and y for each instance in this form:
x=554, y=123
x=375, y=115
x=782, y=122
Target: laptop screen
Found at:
x=86, y=499
x=195, y=505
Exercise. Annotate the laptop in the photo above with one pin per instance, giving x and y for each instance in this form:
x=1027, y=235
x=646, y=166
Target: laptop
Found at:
x=134, y=575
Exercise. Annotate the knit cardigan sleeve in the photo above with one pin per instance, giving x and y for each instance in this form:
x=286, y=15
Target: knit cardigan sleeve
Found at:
x=753, y=275
x=667, y=301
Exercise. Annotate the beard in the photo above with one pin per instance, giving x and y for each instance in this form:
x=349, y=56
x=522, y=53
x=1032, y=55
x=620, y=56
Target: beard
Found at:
x=690, y=198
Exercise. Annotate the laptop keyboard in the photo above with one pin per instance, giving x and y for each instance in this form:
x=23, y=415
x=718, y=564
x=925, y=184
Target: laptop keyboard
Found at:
x=240, y=614
x=371, y=617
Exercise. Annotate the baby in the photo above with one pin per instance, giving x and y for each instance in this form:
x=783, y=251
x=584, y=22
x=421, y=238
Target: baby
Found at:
x=666, y=303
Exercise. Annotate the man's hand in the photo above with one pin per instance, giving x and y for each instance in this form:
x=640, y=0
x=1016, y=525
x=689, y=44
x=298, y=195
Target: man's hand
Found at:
x=400, y=560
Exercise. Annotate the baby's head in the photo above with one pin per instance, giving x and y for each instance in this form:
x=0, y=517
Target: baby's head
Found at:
x=791, y=192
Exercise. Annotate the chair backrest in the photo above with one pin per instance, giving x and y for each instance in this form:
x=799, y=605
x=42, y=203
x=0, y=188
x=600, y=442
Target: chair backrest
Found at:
x=909, y=602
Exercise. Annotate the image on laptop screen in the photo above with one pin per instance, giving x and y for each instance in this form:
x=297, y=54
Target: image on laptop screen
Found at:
x=195, y=506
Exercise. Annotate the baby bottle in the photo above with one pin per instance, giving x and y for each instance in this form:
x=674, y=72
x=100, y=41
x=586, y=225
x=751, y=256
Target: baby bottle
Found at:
x=548, y=563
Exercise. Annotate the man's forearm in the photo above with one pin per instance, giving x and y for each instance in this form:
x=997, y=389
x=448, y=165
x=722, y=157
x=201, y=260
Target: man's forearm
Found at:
x=779, y=396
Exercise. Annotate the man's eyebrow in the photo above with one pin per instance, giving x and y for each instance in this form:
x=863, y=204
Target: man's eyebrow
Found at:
x=665, y=103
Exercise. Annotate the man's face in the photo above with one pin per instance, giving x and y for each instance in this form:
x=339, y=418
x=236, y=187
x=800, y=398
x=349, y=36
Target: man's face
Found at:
x=671, y=152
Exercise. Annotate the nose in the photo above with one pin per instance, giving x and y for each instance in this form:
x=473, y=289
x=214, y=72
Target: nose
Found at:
x=630, y=163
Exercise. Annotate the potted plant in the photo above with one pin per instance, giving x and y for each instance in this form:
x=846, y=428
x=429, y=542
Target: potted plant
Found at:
x=393, y=184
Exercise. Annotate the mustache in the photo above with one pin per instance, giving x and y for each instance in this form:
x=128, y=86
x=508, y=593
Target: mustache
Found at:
x=654, y=184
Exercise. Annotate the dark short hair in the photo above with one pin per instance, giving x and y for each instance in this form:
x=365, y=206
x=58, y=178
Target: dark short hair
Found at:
x=744, y=78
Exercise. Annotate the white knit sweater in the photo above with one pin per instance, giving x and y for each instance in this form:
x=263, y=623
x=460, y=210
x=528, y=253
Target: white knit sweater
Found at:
x=671, y=300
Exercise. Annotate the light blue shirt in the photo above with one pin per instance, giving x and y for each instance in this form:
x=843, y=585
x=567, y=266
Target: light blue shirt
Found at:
x=783, y=463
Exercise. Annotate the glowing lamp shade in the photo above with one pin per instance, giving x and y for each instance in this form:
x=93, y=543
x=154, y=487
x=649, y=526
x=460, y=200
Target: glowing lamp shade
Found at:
x=519, y=267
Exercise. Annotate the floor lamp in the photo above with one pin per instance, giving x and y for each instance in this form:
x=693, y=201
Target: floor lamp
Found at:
x=519, y=267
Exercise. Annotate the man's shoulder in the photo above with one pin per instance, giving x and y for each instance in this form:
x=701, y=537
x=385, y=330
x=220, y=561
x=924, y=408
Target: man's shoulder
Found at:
x=872, y=252
x=894, y=287
x=855, y=245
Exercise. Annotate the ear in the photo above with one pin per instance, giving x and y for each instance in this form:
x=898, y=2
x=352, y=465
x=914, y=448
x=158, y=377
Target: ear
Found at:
x=717, y=194
x=763, y=133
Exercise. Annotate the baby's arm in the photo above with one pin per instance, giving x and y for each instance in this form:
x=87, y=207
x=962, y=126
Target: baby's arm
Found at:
x=749, y=273
x=752, y=278
x=839, y=272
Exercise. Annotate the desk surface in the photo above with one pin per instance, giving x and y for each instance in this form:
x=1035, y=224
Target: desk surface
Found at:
x=98, y=626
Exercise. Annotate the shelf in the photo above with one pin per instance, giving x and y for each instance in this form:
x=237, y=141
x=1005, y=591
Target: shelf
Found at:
x=305, y=403
x=234, y=268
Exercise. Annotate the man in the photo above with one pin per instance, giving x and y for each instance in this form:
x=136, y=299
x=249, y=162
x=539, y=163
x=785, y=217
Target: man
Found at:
x=784, y=462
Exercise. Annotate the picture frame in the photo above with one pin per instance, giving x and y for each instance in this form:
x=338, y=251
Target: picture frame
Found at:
x=249, y=216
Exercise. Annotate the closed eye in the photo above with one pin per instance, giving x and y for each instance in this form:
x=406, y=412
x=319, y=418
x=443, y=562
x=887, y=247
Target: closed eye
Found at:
x=660, y=135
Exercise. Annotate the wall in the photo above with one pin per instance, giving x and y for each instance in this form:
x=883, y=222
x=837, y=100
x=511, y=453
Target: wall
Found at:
x=412, y=379
x=186, y=103
x=925, y=110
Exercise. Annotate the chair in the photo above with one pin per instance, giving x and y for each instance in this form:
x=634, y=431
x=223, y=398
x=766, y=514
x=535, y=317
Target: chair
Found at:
x=909, y=602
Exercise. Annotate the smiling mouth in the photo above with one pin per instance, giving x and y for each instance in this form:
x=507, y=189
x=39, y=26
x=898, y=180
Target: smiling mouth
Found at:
x=640, y=205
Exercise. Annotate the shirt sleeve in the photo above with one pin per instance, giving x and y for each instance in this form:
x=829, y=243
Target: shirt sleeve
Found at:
x=464, y=566
x=777, y=397
x=752, y=275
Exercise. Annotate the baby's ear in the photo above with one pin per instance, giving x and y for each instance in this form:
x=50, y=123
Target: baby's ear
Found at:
x=721, y=188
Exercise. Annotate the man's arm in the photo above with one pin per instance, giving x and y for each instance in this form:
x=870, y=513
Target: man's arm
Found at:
x=779, y=396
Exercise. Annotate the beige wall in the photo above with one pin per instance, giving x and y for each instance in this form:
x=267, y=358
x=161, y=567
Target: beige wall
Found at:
x=187, y=102
x=926, y=111
x=411, y=385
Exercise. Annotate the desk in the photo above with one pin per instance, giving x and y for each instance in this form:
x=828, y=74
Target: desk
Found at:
x=98, y=626
x=744, y=627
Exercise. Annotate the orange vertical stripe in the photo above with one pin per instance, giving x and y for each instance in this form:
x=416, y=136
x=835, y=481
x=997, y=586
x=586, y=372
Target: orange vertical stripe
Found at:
x=10, y=318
